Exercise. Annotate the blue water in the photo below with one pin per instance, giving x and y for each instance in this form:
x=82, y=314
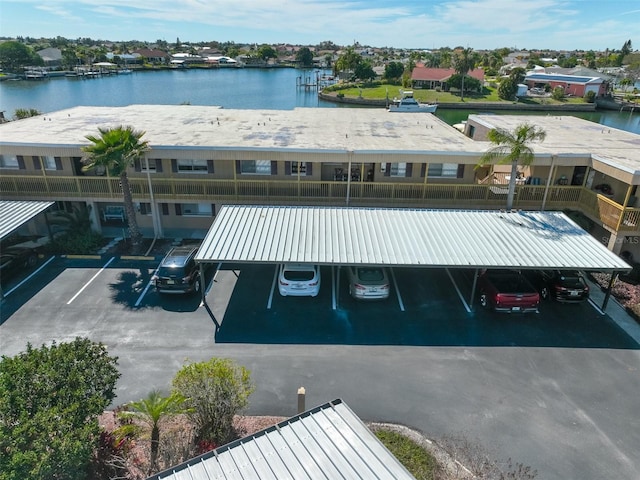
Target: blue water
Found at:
x=228, y=87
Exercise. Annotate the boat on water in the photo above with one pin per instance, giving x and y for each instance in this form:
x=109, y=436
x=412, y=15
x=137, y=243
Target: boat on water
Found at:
x=407, y=103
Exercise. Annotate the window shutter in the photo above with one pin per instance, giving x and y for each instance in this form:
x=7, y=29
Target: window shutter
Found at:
x=409, y=170
x=58, y=161
x=210, y=166
x=136, y=166
x=20, y=159
x=238, y=167
x=158, y=165
x=460, y=173
x=178, y=209
x=287, y=168
x=165, y=208
x=387, y=170
x=36, y=163
x=274, y=168
x=423, y=170
x=309, y=169
x=174, y=165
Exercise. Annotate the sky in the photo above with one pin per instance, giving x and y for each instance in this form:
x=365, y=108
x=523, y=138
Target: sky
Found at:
x=416, y=24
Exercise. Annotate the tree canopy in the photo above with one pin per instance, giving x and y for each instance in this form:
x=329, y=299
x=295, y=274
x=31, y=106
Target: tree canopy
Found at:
x=50, y=399
x=304, y=57
x=14, y=56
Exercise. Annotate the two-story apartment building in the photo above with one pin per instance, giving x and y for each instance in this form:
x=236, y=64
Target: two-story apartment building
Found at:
x=205, y=157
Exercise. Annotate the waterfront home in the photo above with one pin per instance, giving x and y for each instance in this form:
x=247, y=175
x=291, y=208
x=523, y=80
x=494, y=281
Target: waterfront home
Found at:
x=204, y=157
x=433, y=78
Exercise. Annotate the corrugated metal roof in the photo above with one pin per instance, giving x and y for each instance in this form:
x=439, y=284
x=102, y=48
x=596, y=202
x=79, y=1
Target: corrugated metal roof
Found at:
x=397, y=237
x=14, y=214
x=327, y=442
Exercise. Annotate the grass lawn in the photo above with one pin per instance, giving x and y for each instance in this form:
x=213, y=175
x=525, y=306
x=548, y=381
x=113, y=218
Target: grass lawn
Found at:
x=489, y=94
x=416, y=459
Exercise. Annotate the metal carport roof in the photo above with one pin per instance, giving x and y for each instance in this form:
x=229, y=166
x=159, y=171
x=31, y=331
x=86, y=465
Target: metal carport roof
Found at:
x=404, y=237
x=14, y=214
x=329, y=441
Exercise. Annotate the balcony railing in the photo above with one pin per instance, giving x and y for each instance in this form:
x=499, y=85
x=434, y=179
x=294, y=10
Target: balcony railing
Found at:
x=602, y=209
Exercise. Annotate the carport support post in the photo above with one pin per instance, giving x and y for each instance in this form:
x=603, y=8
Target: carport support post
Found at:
x=202, y=284
x=612, y=280
x=473, y=288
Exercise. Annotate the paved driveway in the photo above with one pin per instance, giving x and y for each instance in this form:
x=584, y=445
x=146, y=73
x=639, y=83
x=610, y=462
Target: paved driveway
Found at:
x=557, y=391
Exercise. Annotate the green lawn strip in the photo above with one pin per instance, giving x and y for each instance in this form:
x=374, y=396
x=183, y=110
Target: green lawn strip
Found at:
x=420, y=463
x=489, y=94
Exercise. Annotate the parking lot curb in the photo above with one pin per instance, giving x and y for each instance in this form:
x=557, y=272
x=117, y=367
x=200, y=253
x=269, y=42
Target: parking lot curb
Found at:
x=136, y=257
x=89, y=257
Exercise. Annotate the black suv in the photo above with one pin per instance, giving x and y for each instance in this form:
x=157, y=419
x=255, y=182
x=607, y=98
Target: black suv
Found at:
x=178, y=272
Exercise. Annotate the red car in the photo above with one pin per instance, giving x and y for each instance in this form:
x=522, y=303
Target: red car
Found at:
x=507, y=291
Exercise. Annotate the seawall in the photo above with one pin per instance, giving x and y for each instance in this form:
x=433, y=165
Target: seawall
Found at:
x=572, y=107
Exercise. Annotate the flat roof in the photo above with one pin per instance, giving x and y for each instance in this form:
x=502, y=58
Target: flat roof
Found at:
x=567, y=135
x=327, y=442
x=194, y=127
x=14, y=214
x=403, y=237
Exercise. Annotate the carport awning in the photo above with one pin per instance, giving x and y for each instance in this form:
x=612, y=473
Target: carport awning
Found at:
x=14, y=214
x=404, y=237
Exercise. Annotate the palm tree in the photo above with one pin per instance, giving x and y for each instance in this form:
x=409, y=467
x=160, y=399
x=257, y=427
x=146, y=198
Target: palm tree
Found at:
x=116, y=149
x=464, y=61
x=513, y=148
x=151, y=410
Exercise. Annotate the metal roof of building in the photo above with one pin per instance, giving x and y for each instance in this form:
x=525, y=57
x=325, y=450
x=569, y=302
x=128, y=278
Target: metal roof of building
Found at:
x=14, y=214
x=558, y=77
x=328, y=442
x=403, y=237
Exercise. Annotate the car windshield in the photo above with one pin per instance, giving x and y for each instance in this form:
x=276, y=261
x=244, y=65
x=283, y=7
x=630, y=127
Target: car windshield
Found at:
x=370, y=274
x=299, y=275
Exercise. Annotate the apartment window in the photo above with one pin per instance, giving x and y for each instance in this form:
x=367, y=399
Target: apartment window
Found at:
x=444, y=170
x=49, y=162
x=145, y=209
x=298, y=165
x=197, y=209
x=255, y=167
x=151, y=163
x=192, y=166
x=9, y=161
x=398, y=169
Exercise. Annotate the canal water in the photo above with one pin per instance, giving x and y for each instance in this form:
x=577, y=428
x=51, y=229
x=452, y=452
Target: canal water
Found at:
x=242, y=88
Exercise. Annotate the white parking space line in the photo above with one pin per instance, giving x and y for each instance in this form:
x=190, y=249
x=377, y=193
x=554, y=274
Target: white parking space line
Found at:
x=28, y=278
x=273, y=287
x=92, y=279
x=146, y=289
x=595, y=305
x=395, y=285
x=455, y=285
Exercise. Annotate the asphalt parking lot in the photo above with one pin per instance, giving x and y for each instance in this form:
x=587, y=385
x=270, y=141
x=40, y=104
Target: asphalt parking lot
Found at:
x=556, y=390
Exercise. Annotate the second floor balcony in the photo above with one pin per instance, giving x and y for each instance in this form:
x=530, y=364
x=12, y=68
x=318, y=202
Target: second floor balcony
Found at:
x=606, y=212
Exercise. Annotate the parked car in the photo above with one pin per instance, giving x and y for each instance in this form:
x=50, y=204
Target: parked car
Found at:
x=368, y=283
x=507, y=291
x=299, y=279
x=178, y=271
x=16, y=259
x=563, y=286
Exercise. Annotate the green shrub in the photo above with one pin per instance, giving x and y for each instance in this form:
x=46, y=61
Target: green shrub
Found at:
x=590, y=96
x=557, y=93
x=76, y=243
x=420, y=463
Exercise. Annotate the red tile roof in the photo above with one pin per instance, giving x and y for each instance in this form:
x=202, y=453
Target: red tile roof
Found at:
x=441, y=74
